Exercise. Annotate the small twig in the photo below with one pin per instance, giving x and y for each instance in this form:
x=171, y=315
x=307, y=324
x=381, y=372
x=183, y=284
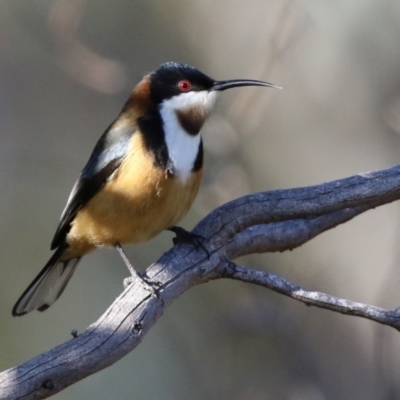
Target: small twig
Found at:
x=310, y=297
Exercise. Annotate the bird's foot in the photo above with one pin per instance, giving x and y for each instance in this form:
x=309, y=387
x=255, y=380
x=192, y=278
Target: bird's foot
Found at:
x=141, y=279
x=184, y=236
x=128, y=281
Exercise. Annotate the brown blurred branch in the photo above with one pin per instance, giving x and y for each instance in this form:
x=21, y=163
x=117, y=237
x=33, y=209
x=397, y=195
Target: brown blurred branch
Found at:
x=270, y=221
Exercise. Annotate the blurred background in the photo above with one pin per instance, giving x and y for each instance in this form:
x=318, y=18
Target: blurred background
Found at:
x=66, y=68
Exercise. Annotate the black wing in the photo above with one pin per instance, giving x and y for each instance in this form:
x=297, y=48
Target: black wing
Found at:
x=107, y=156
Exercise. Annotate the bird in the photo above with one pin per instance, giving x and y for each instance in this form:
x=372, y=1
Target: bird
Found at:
x=141, y=178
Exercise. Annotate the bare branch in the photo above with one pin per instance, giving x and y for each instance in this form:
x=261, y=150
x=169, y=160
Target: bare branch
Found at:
x=369, y=189
x=312, y=298
x=280, y=236
x=269, y=221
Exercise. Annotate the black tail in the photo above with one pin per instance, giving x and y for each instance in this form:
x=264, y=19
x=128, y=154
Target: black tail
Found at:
x=47, y=287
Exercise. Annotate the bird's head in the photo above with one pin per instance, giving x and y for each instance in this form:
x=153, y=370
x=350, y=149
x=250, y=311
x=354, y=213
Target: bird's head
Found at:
x=183, y=91
x=189, y=93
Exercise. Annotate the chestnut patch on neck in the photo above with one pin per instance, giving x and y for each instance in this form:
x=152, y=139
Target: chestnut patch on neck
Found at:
x=139, y=102
x=191, y=120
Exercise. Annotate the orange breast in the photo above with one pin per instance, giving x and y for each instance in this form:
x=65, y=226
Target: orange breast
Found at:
x=134, y=206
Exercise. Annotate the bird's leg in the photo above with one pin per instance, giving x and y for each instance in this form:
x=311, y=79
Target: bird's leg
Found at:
x=134, y=274
x=121, y=252
x=184, y=236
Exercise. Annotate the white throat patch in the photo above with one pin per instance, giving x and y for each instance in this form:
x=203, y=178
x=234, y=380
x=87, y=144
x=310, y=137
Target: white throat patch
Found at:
x=183, y=147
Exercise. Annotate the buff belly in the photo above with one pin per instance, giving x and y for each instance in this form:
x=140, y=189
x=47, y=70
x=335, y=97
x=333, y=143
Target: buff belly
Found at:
x=134, y=206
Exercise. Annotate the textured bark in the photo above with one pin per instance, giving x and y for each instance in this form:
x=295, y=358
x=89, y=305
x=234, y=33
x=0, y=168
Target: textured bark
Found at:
x=263, y=222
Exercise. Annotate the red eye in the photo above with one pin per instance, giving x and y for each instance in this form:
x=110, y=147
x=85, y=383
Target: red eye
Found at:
x=184, y=85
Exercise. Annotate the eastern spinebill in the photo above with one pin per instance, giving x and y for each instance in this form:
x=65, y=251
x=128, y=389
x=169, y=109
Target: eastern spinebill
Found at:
x=141, y=177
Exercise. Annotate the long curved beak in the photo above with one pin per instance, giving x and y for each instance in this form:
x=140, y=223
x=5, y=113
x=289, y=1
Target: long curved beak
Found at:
x=223, y=85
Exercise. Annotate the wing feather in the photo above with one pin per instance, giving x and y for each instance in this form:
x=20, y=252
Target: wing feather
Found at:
x=106, y=158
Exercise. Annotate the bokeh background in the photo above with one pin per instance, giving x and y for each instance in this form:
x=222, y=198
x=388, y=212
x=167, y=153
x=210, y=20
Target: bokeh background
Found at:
x=66, y=68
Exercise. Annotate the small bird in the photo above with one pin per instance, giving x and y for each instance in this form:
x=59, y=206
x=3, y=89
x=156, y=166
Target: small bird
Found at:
x=141, y=177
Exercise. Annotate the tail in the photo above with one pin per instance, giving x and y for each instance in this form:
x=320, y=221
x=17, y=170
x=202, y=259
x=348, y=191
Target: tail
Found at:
x=47, y=287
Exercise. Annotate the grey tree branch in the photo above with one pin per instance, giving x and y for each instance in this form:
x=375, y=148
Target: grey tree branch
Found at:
x=287, y=235
x=268, y=221
x=312, y=298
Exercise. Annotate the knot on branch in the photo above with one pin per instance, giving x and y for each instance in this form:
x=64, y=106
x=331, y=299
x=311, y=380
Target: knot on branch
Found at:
x=48, y=384
x=137, y=329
